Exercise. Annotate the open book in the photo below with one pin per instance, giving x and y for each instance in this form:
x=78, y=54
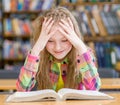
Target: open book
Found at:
x=62, y=94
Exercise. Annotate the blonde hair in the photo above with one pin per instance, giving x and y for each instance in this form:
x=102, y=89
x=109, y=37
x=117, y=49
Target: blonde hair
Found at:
x=43, y=79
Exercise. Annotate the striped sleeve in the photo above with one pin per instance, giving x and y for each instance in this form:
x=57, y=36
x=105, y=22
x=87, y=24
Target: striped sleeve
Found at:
x=26, y=80
x=86, y=63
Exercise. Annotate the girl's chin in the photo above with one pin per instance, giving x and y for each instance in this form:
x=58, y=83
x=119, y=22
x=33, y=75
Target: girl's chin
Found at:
x=59, y=59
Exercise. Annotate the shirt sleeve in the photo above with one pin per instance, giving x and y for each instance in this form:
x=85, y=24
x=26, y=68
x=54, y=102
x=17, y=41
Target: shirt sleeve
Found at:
x=86, y=63
x=26, y=80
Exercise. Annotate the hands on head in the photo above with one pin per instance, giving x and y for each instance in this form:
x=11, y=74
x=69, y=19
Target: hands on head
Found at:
x=51, y=27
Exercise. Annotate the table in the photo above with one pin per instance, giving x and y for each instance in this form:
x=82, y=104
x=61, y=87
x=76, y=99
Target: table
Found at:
x=115, y=101
x=107, y=83
x=7, y=84
x=110, y=83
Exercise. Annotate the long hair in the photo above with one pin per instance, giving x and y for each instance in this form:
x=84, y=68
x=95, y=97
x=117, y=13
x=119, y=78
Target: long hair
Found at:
x=43, y=79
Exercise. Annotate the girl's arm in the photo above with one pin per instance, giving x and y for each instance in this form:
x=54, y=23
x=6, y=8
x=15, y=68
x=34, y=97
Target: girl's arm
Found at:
x=26, y=80
x=86, y=59
x=87, y=66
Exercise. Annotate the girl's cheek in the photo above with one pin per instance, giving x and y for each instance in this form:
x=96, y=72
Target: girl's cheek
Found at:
x=50, y=45
x=67, y=44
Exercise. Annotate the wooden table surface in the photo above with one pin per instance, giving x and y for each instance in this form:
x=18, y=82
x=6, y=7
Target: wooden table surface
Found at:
x=7, y=84
x=115, y=101
x=107, y=83
x=110, y=83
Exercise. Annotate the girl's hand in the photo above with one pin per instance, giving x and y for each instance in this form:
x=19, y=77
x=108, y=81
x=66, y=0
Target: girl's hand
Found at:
x=67, y=29
x=44, y=36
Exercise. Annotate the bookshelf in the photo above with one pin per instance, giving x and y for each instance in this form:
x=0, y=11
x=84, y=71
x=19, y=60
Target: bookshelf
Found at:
x=113, y=38
x=17, y=18
x=96, y=34
x=84, y=3
x=99, y=23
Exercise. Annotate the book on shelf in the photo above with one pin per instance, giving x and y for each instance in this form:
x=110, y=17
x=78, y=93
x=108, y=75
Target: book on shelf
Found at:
x=90, y=20
x=107, y=24
x=23, y=5
x=97, y=17
x=85, y=20
x=94, y=24
x=61, y=95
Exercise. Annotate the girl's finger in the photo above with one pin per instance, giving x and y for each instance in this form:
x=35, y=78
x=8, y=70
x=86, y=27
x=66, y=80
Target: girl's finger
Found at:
x=64, y=33
x=45, y=19
x=70, y=22
x=48, y=21
x=47, y=24
x=50, y=26
x=64, y=22
x=64, y=27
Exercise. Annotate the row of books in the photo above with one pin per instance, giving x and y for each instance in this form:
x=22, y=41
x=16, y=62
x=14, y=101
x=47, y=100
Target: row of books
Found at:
x=74, y=1
x=17, y=26
x=15, y=49
x=21, y=5
x=107, y=54
x=94, y=20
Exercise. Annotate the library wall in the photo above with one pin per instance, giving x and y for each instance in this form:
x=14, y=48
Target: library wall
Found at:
x=99, y=22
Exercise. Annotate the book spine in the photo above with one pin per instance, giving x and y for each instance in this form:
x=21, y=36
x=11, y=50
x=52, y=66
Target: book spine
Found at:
x=6, y=5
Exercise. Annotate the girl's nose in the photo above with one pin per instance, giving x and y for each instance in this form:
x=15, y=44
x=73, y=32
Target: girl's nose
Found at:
x=57, y=46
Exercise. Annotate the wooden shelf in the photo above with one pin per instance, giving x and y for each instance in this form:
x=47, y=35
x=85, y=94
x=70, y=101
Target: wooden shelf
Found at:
x=110, y=38
x=22, y=12
x=88, y=3
x=13, y=59
x=26, y=36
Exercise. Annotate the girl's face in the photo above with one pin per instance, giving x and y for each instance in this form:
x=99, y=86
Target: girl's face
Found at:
x=58, y=45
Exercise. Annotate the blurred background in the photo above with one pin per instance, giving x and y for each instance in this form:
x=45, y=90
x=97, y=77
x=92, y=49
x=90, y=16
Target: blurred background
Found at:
x=99, y=22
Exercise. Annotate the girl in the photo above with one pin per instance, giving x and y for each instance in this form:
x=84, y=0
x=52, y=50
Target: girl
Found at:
x=59, y=58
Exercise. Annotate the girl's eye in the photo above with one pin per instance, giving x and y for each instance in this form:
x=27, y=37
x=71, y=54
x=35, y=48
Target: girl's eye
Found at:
x=50, y=41
x=64, y=40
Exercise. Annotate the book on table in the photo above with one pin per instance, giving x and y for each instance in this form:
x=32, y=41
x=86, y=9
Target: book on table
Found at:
x=62, y=94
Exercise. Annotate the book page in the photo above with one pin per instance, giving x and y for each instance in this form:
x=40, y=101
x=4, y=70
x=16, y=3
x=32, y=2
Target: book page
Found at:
x=40, y=95
x=82, y=94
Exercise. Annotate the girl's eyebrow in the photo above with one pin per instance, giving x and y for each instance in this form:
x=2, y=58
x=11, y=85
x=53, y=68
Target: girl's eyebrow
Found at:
x=64, y=38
